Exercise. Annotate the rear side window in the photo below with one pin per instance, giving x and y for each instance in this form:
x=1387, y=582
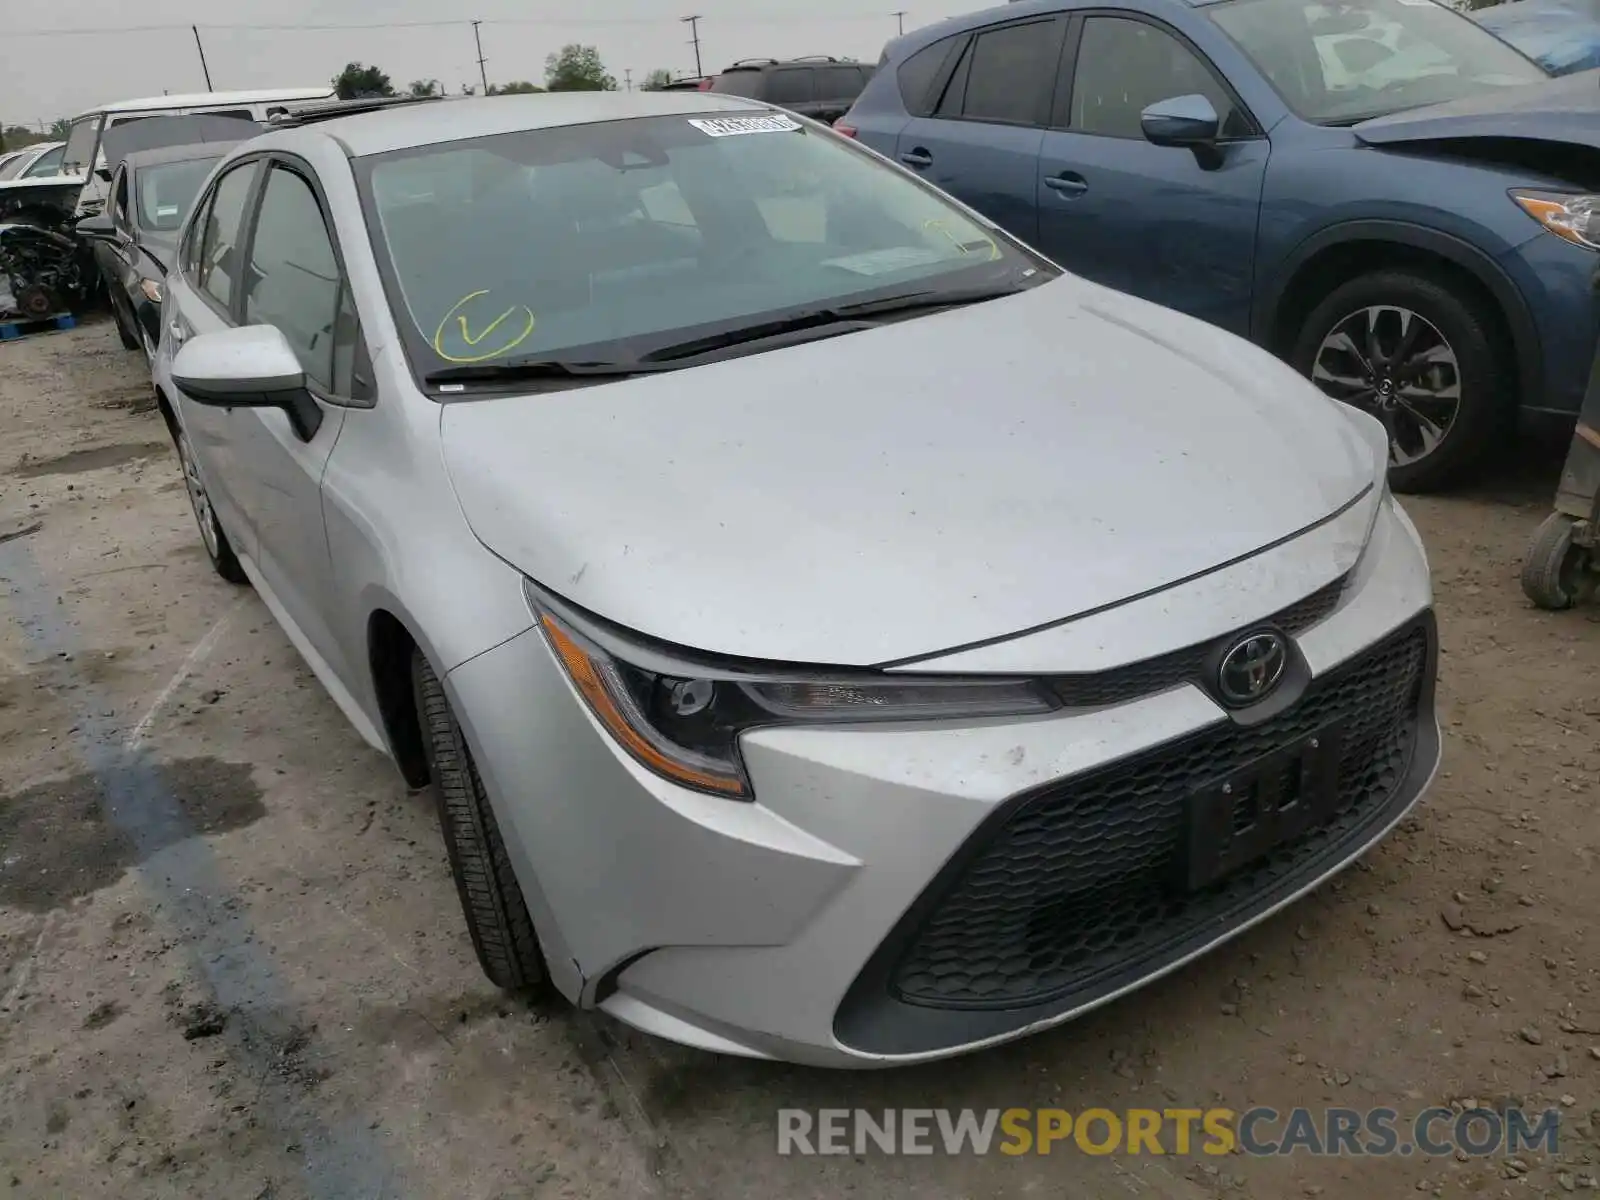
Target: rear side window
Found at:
x=920, y=74
x=840, y=83
x=216, y=270
x=119, y=199
x=48, y=163
x=791, y=86
x=294, y=280
x=738, y=83
x=1012, y=74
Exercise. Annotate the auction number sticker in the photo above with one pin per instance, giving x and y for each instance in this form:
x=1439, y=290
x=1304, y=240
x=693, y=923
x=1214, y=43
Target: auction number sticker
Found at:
x=735, y=126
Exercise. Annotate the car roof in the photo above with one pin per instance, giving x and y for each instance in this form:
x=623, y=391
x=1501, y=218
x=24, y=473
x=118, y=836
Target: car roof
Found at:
x=409, y=125
x=205, y=99
x=172, y=154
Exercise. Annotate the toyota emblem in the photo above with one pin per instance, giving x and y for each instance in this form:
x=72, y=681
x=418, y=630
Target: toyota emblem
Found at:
x=1252, y=668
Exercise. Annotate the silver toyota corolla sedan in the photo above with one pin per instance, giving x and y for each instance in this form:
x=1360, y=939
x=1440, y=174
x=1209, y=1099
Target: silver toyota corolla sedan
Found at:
x=832, y=632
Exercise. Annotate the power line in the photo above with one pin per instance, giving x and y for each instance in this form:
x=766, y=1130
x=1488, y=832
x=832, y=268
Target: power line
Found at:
x=354, y=26
x=694, y=24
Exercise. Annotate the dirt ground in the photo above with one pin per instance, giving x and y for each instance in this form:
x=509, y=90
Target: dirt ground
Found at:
x=232, y=963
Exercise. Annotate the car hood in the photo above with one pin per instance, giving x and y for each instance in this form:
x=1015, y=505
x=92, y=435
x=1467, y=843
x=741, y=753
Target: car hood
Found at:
x=888, y=494
x=1565, y=109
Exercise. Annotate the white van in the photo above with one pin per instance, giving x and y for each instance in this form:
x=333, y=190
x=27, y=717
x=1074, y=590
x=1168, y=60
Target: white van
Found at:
x=83, y=141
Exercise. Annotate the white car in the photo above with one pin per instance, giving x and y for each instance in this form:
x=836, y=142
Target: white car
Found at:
x=831, y=632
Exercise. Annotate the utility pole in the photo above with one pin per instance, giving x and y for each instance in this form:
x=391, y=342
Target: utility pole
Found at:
x=483, y=73
x=901, y=17
x=694, y=24
x=200, y=47
x=628, y=73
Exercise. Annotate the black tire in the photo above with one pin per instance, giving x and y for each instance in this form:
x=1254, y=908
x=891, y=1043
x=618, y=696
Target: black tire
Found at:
x=1487, y=405
x=130, y=340
x=1553, y=574
x=212, y=538
x=497, y=917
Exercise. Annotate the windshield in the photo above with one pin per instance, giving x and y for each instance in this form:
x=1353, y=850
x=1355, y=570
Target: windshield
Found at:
x=48, y=163
x=1337, y=63
x=82, y=140
x=602, y=242
x=166, y=190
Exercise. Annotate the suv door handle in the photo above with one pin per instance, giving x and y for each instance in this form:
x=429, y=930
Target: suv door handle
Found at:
x=1068, y=183
x=918, y=158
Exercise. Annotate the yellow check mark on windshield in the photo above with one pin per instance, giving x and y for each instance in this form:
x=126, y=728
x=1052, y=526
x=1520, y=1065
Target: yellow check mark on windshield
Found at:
x=510, y=338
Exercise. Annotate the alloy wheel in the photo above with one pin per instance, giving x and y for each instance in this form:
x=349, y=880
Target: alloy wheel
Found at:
x=1394, y=363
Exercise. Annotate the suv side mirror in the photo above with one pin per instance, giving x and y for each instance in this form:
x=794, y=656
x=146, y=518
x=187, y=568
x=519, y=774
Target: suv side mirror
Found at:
x=1181, y=121
x=250, y=367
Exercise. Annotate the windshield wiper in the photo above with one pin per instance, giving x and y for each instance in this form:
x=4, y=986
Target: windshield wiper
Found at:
x=512, y=370
x=834, y=319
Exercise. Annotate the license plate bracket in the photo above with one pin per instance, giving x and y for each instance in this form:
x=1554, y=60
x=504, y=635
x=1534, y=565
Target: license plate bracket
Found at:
x=1237, y=818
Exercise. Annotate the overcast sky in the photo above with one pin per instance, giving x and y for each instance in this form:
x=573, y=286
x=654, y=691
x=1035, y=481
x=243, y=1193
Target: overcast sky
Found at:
x=54, y=76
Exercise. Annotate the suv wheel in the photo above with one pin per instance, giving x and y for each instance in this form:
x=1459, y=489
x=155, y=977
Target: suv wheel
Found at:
x=497, y=917
x=1422, y=358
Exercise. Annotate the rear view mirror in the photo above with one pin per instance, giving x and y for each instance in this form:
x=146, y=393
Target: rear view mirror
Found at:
x=1181, y=121
x=250, y=367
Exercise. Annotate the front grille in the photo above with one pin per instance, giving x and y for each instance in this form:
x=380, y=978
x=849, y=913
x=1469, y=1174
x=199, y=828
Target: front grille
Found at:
x=1152, y=675
x=1079, y=883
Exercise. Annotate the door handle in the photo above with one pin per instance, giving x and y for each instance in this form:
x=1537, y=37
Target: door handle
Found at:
x=176, y=333
x=1068, y=183
x=918, y=158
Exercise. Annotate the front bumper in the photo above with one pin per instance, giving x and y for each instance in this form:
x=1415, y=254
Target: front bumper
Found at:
x=792, y=927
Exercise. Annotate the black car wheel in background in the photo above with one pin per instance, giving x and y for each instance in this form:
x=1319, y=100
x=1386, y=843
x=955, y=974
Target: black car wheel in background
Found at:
x=1423, y=358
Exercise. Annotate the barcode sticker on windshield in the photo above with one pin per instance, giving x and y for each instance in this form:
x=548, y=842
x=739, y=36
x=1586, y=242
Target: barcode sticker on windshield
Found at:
x=734, y=126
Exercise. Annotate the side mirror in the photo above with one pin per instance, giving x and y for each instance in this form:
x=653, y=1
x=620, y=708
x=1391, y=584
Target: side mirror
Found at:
x=97, y=228
x=103, y=173
x=1181, y=121
x=250, y=367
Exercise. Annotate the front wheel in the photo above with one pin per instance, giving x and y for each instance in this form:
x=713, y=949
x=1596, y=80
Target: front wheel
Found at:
x=1422, y=358
x=497, y=917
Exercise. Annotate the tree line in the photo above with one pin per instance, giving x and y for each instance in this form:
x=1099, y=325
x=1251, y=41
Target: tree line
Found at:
x=573, y=68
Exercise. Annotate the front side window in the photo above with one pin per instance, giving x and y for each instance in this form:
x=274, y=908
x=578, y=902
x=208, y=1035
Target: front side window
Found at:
x=82, y=140
x=1125, y=65
x=603, y=242
x=217, y=263
x=166, y=190
x=1417, y=52
x=294, y=278
x=1011, y=73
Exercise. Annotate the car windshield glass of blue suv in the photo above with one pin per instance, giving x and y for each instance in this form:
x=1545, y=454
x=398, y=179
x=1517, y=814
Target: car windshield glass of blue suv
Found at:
x=1341, y=63
x=604, y=242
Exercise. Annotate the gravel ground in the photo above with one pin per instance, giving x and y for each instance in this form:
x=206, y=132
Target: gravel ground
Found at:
x=232, y=965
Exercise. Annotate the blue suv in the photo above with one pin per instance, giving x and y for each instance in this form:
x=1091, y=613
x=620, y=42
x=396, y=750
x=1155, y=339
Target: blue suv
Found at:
x=1382, y=192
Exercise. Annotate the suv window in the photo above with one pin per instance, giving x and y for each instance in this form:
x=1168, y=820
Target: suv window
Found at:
x=918, y=75
x=1010, y=73
x=294, y=279
x=1124, y=66
x=840, y=83
x=792, y=85
x=216, y=266
x=741, y=82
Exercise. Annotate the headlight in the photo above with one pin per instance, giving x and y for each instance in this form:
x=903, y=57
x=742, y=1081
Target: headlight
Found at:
x=1576, y=218
x=682, y=720
x=151, y=289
